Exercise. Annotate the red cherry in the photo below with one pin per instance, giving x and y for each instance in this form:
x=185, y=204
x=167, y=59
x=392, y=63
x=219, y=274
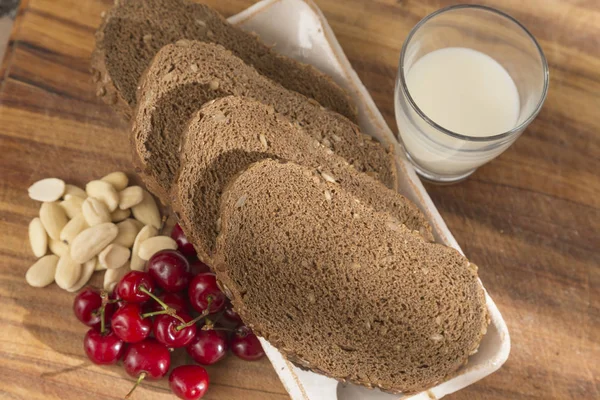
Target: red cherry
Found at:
x=177, y=301
x=208, y=346
x=246, y=345
x=198, y=267
x=165, y=330
x=129, y=287
x=232, y=316
x=146, y=359
x=189, y=382
x=103, y=349
x=128, y=324
x=183, y=245
x=147, y=356
x=87, y=307
x=204, y=287
x=170, y=269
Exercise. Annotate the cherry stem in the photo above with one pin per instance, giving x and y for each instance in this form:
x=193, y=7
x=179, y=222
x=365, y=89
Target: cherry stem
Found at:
x=139, y=380
x=152, y=314
x=167, y=310
x=198, y=318
x=104, y=296
x=192, y=322
x=214, y=328
x=102, y=323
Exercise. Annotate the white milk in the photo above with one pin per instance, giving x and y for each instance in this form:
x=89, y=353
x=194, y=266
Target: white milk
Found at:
x=464, y=91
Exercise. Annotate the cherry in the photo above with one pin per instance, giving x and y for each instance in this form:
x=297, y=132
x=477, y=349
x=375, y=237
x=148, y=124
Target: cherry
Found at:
x=171, y=332
x=170, y=269
x=198, y=267
x=183, y=245
x=129, y=325
x=147, y=358
x=232, y=316
x=133, y=287
x=202, y=290
x=189, y=382
x=208, y=346
x=87, y=307
x=103, y=348
x=246, y=345
x=176, y=301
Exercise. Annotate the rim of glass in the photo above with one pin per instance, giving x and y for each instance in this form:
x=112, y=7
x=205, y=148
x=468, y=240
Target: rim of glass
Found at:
x=448, y=132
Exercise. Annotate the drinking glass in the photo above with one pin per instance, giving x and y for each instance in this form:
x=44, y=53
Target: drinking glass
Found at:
x=439, y=154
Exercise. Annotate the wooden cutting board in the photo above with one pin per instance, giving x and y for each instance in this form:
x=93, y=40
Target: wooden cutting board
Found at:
x=531, y=218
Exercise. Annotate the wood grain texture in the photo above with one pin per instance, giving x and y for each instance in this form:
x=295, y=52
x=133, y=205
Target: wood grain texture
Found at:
x=530, y=218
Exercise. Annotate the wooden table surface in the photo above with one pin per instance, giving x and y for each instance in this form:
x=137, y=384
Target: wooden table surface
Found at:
x=531, y=218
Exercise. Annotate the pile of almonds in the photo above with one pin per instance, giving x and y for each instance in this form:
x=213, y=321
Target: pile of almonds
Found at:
x=108, y=226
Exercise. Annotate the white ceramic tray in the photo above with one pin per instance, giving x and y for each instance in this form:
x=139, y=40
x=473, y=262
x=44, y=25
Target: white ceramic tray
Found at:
x=299, y=30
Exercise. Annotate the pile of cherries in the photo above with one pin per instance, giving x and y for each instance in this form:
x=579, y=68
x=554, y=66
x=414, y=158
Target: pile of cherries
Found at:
x=176, y=304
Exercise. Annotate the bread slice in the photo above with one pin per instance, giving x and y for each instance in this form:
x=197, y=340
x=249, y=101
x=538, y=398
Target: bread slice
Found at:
x=187, y=74
x=133, y=31
x=358, y=299
x=227, y=135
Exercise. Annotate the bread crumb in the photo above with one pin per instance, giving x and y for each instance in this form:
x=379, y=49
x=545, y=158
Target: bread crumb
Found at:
x=194, y=68
x=263, y=141
x=436, y=337
x=328, y=195
x=241, y=201
x=214, y=84
x=328, y=177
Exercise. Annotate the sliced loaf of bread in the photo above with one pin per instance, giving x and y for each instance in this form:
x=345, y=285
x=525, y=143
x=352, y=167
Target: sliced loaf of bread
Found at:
x=358, y=299
x=185, y=75
x=229, y=134
x=133, y=31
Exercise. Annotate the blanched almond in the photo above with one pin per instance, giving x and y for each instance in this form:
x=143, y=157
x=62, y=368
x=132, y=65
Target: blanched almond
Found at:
x=47, y=190
x=114, y=256
x=113, y=276
x=90, y=242
x=42, y=273
x=148, y=231
x=147, y=211
x=72, y=205
x=68, y=272
x=57, y=247
x=72, y=190
x=38, y=238
x=95, y=211
x=155, y=244
x=118, y=179
x=98, y=267
x=105, y=192
x=87, y=270
x=73, y=228
x=53, y=218
x=131, y=196
x=128, y=230
x=119, y=215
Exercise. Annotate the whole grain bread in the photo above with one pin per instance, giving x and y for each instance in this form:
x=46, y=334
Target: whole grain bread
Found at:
x=133, y=31
x=358, y=299
x=229, y=134
x=187, y=74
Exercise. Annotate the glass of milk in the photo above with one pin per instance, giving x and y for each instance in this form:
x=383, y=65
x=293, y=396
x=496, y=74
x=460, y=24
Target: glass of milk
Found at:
x=470, y=80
